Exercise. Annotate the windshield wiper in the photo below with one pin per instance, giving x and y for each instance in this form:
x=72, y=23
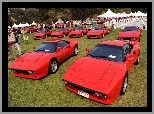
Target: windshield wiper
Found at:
x=39, y=50
x=104, y=57
x=91, y=55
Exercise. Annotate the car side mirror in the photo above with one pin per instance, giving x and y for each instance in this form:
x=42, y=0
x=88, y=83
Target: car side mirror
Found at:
x=33, y=47
x=87, y=50
x=58, y=49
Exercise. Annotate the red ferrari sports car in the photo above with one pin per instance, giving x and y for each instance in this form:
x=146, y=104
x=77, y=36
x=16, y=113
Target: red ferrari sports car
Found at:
x=29, y=29
x=45, y=58
x=130, y=32
x=98, y=32
x=61, y=32
x=79, y=31
x=42, y=34
x=100, y=21
x=102, y=75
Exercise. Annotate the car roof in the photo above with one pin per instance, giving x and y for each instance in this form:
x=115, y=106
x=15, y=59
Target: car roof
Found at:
x=114, y=42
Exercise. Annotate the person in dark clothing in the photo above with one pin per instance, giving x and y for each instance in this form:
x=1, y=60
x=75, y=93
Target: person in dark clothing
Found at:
x=19, y=35
x=65, y=23
x=17, y=45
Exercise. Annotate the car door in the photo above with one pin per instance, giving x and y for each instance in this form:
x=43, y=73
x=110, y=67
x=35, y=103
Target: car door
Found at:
x=61, y=53
x=67, y=50
x=129, y=56
x=135, y=52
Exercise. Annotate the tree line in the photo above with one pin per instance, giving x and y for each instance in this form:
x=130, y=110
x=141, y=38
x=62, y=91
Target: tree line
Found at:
x=48, y=15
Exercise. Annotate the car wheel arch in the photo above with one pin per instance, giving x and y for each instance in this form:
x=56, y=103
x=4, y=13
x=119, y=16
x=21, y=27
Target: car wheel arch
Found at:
x=52, y=59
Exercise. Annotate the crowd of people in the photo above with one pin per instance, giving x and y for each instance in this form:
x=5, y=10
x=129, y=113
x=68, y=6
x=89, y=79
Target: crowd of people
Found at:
x=14, y=36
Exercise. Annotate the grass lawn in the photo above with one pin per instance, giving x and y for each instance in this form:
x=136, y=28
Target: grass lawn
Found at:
x=51, y=92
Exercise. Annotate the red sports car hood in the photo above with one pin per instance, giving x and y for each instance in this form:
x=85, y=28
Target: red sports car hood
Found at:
x=95, y=32
x=29, y=61
x=92, y=72
x=56, y=32
x=129, y=34
x=75, y=32
x=39, y=34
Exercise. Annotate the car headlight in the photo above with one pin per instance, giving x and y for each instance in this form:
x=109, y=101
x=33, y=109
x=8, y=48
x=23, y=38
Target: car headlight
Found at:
x=100, y=95
x=65, y=82
x=133, y=38
x=120, y=38
x=31, y=72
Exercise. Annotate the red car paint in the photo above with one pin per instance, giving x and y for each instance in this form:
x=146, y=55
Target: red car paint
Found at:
x=129, y=35
x=98, y=77
x=98, y=33
x=38, y=62
x=61, y=32
x=100, y=21
x=78, y=32
x=131, y=32
x=29, y=29
x=42, y=35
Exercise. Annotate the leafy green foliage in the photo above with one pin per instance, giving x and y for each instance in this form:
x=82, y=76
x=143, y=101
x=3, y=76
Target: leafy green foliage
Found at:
x=52, y=14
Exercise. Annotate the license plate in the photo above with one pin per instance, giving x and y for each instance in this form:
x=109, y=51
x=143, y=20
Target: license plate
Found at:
x=83, y=94
x=54, y=37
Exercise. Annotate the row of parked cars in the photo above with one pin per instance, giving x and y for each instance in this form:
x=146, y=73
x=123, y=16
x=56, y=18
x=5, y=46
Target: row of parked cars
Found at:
x=80, y=31
x=101, y=75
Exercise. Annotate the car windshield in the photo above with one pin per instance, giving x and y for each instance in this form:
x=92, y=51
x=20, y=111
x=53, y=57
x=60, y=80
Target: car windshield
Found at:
x=97, y=28
x=41, y=31
x=130, y=29
x=49, y=47
x=107, y=52
x=60, y=29
x=78, y=28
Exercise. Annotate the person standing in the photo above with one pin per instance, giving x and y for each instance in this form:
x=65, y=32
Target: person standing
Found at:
x=17, y=45
x=65, y=23
x=11, y=43
x=19, y=35
x=25, y=36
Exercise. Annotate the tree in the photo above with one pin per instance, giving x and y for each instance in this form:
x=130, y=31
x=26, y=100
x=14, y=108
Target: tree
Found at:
x=17, y=14
x=32, y=14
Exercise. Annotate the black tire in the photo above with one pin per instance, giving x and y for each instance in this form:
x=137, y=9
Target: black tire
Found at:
x=124, y=84
x=75, y=51
x=137, y=61
x=51, y=70
x=63, y=35
x=139, y=40
x=82, y=34
x=141, y=34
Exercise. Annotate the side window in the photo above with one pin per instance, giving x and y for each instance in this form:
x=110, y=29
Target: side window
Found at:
x=126, y=48
x=61, y=44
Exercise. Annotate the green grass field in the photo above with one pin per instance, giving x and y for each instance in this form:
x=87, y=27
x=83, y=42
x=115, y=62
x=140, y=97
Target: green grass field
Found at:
x=50, y=91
